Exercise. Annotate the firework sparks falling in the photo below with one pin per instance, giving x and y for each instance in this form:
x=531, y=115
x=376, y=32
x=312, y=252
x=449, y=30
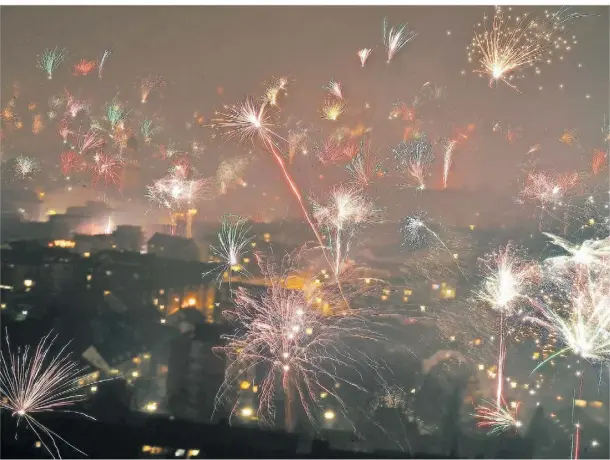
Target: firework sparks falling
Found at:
x=74, y=106
x=364, y=54
x=84, y=67
x=395, y=39
x=39, y=382
x=26, y=166
x=332, y=109
x=105, y=55
x=37, y=124
x=347, y=209
x=148, y=85
x=233, y=241
x=292, y=341
x=500, y=419
x=50, y=60
x=334, y=89
x=149, y=129
x=364, y=166
x=415, y=156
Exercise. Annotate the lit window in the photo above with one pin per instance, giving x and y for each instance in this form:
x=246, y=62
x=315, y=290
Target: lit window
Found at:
x=28, y=283
x=192, y=453
x=151, y=407
x=179, y=452
x=244, y=385
x=329, y=415
x=146, y=448
x=89, y=277
x=596, y=404
x=86, y=254
x=580, y=403
x=3, y=306
x=247, y=412
x=94, y=389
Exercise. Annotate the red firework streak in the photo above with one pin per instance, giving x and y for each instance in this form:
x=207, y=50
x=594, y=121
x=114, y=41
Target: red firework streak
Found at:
x=84, y=67
x=576, y=437
x=64, y=129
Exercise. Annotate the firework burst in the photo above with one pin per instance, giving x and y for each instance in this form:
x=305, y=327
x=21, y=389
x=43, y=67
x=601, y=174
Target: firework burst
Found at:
x=448, y=148
x=364, y=54
x=116, y=114
x=71, y=161
x=39, y=382
x=332, y=109
x=273, y=90
x=64, y=130
x=511, y=45
x=148, y=85
x=229, y=172
x=149, y=129
x=290, y=341
x=499, y=419
x=334, y=89
x=84, y=67
x=395, y=39
x=347, y=210
x=26, y=166
x=50, y=60
x=107, y=168
x=415, y=157
x=233, y=241
x=365, y=165
x=91, y=140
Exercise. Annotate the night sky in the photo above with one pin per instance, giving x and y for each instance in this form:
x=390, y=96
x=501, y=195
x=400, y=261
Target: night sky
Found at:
x=212, y=56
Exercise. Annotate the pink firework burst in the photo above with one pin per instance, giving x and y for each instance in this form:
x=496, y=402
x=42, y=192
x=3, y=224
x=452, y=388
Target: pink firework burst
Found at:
x=364, y=54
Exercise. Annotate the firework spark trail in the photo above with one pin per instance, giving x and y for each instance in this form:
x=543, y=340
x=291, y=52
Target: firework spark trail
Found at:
x=100, y=67
x=26, y=166
x=364, y=54
x=395, y=39
x=30, y=384
x=415, y=156
x=74, y=107
x=233, y=239
x=334, y=89
x=498, y=416
x=448, y=160
x=293, y=341
x=347, y=210
x=364, y=166
x=149, y=84
x=575, y=451
x=50, y=60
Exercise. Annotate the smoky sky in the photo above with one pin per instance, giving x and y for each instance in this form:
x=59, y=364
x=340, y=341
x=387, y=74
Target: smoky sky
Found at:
x=211, y=56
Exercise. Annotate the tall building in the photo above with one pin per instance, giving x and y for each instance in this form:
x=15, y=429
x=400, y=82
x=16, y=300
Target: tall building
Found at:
x=195, y=372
